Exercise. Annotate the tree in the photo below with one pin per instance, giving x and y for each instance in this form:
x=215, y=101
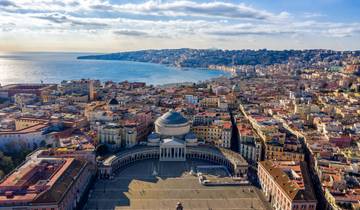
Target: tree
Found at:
x=2, y=174
x=35, y=146
x=6, y=163
x=101, y=149
x=42, y=143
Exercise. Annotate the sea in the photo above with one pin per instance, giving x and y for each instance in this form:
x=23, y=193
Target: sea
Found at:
x=36, y=67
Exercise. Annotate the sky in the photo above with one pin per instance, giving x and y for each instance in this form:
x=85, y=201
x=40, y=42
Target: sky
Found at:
x=120, y=25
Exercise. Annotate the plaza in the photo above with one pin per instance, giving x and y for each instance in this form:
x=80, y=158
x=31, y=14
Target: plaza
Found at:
x=152, y=184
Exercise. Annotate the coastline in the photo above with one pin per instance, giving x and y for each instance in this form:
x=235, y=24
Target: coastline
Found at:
x=56, y=67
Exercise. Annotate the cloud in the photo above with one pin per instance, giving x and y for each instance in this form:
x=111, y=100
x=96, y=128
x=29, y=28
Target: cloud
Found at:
x=255, y=32
x=245, y=29
x=63, y=19
x=131, y=33
x=183, y=19
x=144, y=34
x=186, y=8
x=6, y=3
x=55, y=18
x=327, y=29
x=341, y=32
x=313, y=15
x=101, y=7
x=312, y=28
x=182, y=8
x=6, y=27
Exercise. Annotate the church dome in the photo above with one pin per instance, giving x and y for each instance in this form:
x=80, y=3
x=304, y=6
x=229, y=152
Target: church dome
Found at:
x=190, y=135
x=172, y=123
x=172, y=118
x=113, y=101
x=236, y=88
x=153, y=139
x=190, y=138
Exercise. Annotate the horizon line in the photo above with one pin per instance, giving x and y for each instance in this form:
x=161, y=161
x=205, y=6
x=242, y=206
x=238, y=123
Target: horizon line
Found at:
x=145, y=49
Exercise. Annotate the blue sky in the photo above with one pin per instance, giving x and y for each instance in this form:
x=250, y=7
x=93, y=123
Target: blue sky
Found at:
x=119, y=25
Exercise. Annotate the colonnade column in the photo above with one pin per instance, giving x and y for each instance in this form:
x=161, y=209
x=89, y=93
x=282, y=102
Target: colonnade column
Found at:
x=172, y=153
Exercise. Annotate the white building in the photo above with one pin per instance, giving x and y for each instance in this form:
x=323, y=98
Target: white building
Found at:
x=117, y=136
x=172, y=135
x=225, y=139
x=286, y=185
x=222, y=104
x=191, y=99
x=23, y=99
x=129, y=135
x=110, y=134
x=74, y=86
x=172, y=150
x=31, y=137
x=250, y=148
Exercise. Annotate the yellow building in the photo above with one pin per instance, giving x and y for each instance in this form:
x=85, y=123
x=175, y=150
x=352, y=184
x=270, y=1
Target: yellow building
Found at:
x=276, y=151
x=211, y=133
x=209, y=102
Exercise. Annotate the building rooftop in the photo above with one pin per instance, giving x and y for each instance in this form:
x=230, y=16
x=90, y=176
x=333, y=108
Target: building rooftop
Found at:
x=39, y=180
x=24, y=86
x=292, y=177
x=59, y=188
x=30, y=129
x=172, y=142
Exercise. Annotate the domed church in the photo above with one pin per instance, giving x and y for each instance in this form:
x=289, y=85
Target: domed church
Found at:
x=172, y=134
x=113, y=104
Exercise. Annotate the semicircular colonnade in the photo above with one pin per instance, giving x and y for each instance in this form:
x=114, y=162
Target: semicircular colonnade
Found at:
x=235, y=163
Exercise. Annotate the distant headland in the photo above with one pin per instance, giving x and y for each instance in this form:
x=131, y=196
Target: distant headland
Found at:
x=213, y=58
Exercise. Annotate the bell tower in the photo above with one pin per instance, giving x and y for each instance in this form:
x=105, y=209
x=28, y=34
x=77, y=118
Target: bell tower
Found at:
x=92, y=92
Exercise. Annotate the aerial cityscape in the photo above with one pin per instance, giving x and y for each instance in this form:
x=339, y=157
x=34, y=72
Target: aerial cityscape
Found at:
x=179, y=105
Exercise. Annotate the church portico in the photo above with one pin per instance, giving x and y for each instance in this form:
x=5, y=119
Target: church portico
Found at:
x=172, y=150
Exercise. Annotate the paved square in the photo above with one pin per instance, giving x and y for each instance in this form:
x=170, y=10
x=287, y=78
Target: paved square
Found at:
x=136, y=188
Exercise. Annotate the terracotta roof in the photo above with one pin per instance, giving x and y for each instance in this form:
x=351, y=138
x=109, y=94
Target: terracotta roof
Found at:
x=293, y=190
x=62, y=184
x=31, y=129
